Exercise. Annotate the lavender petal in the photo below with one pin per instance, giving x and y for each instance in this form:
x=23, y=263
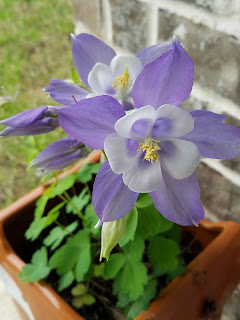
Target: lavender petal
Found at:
x=112, y=199
x=25, y=118
x=166, y=80
x=88, y=50
x=65, y=93
x=91, y=120
x=179, y=200
x=214, y=138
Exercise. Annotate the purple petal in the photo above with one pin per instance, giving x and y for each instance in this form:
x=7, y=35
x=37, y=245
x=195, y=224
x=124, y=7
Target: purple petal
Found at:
x=88, y=50
x=214, y=138
x=63, y=162
x=150, y=54
x=39, y=127
x=112, y=200
x=91, y=120
x=179, y=200
x=55, y=151
x=25, y=118
x=167, y=80
x=64, y=92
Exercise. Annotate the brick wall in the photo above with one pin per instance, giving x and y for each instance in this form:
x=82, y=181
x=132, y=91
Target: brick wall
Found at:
x=210, y=32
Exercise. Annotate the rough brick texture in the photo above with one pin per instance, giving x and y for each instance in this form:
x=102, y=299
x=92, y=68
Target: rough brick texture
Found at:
x=219, y=195
x=129, y=24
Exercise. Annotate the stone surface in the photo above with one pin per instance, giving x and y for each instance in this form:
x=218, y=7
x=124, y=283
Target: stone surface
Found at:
x=220, y=7
x=129, y=19
x=88, y=13
x=215, y=55
x=219, y=195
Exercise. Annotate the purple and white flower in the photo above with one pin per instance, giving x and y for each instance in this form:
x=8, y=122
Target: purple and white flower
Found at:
x=59, y=155
x=31, y=122
x=104, y=72
x=154, y=149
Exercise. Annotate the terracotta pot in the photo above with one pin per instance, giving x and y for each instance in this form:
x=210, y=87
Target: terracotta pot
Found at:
x=199, y=294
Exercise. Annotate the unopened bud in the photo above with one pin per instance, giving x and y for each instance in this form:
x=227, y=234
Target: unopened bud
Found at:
x=112, y=233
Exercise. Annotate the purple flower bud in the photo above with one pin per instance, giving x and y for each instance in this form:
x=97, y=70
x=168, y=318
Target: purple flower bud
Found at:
x=59, y=155
x=32, y=122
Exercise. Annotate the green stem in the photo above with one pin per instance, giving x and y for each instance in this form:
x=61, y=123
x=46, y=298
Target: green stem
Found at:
x=61, y=226
x=73, y=205
x=88, y=190
x=104, y=154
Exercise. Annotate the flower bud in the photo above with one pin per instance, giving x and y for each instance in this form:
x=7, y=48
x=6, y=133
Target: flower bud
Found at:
x=112, y=233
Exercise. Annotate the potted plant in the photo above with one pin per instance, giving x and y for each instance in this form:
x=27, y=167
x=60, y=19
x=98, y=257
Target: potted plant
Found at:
x=129, y=108
x=208, y=280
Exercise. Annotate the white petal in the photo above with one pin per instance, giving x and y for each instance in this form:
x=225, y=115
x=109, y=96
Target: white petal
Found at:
x=120, y=64
x=179, y=158
x=143, y=176
x=181, y=120
x=120, y=159
x=101, y=79
x=124, y=125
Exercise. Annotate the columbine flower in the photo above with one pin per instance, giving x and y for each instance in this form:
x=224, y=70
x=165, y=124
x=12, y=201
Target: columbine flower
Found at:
x=32, y=122
x=59, y=155
x=154, y=149
x=103, y=71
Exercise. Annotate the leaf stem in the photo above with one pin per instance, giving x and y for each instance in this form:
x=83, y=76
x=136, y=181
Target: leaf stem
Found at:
x=73, y=205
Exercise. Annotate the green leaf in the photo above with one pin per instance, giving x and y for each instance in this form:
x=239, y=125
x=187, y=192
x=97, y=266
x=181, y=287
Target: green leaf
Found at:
x=79, y=290
x=80, y=301
x=35, y=228
x=38, y=268
x=63, y=185
x=134, y=309
x=123, y=300
x=57, y=235
x=174, y=233
x=40, y=206
x=98, y=269
x=90, y=220
x=134, y=249
x=54, y=238
x=134, y=277
x=78, y=202
x=95, y=167
x=88, y=300
x=71, y=227
x=134, y=274
x=84, y=257
x=178, y=271
x=53, y=214
x=163, y=253
x=151, y=222
x=143, y=201
x=66, y=280
x=131, y=226
x=85, y=173
x=74, y=76
x=74, y=253
x=113, y=265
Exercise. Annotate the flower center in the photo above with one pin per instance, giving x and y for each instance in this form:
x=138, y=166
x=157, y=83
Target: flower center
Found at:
x=122, y=84
x=150, y=146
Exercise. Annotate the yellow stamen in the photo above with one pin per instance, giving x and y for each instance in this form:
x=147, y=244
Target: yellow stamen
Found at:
x=122, y=84
x=150, y=146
